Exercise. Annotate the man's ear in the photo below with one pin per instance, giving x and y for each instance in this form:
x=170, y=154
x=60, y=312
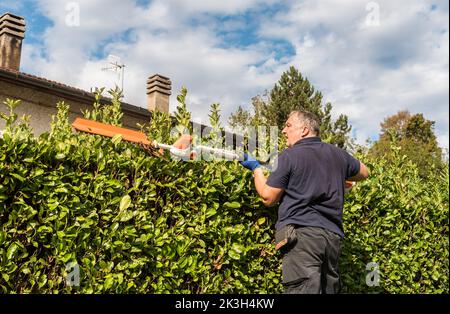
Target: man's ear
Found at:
x=304, y=132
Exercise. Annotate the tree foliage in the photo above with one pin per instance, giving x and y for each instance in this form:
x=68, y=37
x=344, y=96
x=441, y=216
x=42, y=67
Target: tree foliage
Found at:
x=415, y=135
x=293, y=92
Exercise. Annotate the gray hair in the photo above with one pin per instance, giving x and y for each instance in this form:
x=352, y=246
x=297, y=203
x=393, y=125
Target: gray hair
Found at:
x=310, y=120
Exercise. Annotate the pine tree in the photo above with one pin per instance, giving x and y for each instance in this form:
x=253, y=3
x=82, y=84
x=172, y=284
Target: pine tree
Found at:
x=242, y=119
x=239, y=120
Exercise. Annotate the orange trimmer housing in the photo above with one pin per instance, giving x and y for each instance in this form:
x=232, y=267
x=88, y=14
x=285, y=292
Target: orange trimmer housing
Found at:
x=108, y=130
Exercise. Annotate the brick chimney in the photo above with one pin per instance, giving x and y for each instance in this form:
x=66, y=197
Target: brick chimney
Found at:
x=12, y=32
x=158, y=92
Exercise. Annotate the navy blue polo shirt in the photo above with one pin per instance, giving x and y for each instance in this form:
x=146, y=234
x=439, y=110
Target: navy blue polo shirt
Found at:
x=312, y=174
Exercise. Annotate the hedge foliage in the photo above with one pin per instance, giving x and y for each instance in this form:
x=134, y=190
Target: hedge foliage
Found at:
x=399, y=221
x=135, y=223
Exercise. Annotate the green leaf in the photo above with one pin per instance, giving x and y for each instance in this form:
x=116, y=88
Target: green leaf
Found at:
x=228, y=179
x=108, y=283
x=261, y=220
x=2, y=237
x=125, y=202
x=61, y=190
x=42, y=280
x=19, y=177
x=232, y=205
x=238, y=248
x=126, y=215
x=38, y=172
x=234, y=255
x=44, y=229
x=6, y=277
x=210, y=212
x=11, y=250
x=116, y=139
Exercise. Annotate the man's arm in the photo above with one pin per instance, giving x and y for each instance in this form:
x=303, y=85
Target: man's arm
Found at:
x=361, y=175
x=270, y=196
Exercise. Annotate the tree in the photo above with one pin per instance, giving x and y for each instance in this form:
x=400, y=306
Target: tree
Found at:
x=242, y=118
x=415, y=136
x=293, y=92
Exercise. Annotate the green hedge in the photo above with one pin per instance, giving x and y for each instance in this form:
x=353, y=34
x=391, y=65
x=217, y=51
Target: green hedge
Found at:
x=135, y=223
x=400, y=222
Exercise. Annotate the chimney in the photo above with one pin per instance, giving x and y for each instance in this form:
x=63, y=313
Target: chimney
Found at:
x=12, y=32
x=158, y=92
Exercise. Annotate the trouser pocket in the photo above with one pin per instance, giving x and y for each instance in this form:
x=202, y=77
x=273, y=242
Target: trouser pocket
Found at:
x=285, y=238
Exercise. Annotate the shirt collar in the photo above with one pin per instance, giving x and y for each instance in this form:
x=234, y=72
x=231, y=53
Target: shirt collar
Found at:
x=314, y=139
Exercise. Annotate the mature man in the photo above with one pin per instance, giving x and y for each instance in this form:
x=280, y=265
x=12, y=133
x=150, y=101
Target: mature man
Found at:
x=308, y=182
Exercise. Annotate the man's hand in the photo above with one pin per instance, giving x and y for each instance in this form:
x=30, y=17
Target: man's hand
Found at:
x=250, y=162
x=183, y=142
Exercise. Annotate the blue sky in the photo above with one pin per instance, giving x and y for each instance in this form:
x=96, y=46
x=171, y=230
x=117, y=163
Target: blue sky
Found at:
x=370, y=59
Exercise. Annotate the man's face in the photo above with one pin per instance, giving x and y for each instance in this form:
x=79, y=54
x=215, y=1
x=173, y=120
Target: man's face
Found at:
x=294, y=130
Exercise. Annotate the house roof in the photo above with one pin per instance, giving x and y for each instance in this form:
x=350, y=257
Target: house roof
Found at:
x=65, y=90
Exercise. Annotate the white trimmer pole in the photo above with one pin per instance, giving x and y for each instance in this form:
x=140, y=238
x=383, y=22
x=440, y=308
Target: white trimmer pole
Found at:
x=227, y=154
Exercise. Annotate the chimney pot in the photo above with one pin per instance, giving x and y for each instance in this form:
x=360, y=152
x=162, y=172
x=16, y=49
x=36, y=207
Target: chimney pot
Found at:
x=158, y=92
x=12, y=33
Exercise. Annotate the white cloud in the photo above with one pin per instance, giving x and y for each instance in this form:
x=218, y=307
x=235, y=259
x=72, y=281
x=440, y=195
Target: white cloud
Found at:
x=366, y=72
x=216, y=6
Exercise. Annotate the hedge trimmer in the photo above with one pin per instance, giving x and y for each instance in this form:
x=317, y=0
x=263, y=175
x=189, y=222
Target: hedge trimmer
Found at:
x=181, y=148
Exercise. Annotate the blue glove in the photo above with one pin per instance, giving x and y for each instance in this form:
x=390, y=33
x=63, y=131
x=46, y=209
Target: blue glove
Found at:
x=250, y=162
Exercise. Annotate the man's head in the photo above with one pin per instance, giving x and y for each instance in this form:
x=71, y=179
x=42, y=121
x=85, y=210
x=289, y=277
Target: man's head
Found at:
x=299, y=125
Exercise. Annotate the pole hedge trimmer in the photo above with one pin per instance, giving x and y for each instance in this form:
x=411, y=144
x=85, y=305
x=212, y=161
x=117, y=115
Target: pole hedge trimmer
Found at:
x=181, y=148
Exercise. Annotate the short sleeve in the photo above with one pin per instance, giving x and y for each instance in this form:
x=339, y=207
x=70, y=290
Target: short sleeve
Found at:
x=279, y=178
x=352, y=164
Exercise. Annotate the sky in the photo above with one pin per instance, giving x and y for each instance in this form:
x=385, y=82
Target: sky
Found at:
x=370, y=59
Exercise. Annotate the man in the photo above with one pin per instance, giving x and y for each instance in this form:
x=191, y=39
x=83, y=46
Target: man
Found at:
x=309, y=184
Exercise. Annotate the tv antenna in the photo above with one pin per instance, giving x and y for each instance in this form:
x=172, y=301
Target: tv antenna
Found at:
x=115, y=65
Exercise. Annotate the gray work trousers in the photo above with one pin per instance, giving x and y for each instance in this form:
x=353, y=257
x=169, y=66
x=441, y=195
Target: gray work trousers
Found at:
x=310, y=265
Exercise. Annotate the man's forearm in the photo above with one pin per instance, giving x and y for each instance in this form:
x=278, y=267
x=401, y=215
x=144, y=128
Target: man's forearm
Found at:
x=260, y=181
x=270, y=195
